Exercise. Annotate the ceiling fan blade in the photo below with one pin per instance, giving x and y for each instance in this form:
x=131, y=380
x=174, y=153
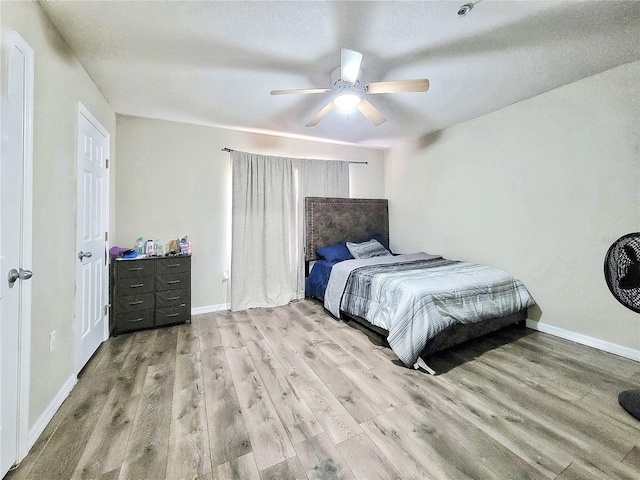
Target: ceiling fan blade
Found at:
x=350, y=61
x=398, y=86
x=371, y=112
x=326, y=109
x=299, y=90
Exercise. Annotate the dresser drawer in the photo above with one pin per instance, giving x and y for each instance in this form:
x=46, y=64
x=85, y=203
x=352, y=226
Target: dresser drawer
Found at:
x=134, y=269
x=135, y=285
x=129, y=321
x=173, y=298
x=169, y=315
x=173, y=281
x=173, y=265
x=134, y=303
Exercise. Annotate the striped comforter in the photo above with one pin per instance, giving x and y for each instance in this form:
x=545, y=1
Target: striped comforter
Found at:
x=417, y=296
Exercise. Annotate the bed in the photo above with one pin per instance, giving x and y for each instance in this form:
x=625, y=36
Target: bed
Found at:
x=420, y=303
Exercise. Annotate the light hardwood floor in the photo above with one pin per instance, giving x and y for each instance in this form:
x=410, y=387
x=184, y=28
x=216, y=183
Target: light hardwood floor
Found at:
x=292, y=393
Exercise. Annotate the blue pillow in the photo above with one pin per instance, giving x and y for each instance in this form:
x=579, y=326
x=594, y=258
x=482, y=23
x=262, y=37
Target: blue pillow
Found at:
x=334, y=253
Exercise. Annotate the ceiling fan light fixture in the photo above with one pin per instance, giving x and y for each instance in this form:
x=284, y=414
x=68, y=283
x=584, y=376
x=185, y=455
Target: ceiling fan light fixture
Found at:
x=349, y=95
x=347, y=102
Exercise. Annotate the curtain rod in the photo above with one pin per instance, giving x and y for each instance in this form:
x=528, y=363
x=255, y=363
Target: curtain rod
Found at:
x=225, y=149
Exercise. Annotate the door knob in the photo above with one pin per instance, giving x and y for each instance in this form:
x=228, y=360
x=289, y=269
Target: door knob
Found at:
x=21, y=274
x=82, y=255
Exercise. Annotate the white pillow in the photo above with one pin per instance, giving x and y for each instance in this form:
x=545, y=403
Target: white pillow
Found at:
x=370, y=249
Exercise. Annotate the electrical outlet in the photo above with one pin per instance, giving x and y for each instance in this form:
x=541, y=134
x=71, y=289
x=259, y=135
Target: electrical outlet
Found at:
x=225, y=276
x=52, y=341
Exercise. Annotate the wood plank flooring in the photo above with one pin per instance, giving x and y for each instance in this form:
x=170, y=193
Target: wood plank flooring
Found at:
x=292, y=393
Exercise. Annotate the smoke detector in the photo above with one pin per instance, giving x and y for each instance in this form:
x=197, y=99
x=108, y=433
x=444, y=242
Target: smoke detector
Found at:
x=464, y=9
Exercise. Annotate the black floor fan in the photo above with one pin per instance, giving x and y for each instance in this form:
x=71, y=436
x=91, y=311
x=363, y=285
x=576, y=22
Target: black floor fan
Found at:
x=622, y=271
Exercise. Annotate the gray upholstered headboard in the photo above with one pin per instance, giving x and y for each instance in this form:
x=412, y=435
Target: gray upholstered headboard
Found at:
x=333, y=220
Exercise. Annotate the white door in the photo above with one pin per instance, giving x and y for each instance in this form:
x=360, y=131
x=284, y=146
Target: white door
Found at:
x=15, y=244
x=91, y=224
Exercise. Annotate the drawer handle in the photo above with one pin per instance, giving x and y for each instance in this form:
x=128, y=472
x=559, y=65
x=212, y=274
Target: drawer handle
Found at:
x=136, y=320
x=173, y=265
x=137, y=285
x=172, y=298
x=173, y=315
x=135, y=269
x=173, y=281
x=136, y=303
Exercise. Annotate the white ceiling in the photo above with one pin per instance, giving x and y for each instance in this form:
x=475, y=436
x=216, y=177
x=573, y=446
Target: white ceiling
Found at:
x=214, y=63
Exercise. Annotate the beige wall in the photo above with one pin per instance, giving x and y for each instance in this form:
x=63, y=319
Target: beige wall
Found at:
x=60, y=82
x=173, y=179
x=541, y=189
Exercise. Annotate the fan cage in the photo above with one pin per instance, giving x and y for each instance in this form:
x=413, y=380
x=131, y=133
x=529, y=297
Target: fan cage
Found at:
x=616, y=265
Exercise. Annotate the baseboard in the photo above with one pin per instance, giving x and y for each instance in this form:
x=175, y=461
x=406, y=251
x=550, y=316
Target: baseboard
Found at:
x=603, y=345
x=210, y=308
x=36, y=430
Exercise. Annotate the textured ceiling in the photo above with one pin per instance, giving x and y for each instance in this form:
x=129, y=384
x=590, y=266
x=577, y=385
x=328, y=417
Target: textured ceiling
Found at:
x=214, y=63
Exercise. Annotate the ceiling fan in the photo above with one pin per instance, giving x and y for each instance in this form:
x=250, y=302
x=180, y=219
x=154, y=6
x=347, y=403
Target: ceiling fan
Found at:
x=350, y=94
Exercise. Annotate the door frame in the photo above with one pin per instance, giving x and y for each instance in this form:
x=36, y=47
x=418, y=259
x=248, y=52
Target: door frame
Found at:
x=84, y=112
x=13, y=39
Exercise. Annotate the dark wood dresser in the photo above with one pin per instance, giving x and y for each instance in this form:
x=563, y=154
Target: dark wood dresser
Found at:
x=149, y=292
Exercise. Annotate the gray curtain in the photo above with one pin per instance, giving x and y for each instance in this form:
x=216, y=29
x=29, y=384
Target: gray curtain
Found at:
x=316, y=178
x=267, y=258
